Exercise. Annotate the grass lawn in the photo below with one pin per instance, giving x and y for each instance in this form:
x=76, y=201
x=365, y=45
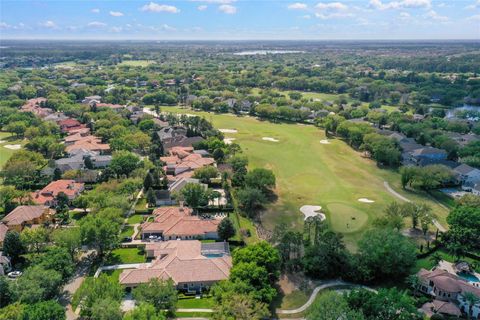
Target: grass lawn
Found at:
x=333, y=175
x=293, y=300
x=207, y=315
x=127, y=231
x=191, y=303
x=6, y=138
x=136, y=63
x=125, y=255
x=426, y=263
x=135, y=218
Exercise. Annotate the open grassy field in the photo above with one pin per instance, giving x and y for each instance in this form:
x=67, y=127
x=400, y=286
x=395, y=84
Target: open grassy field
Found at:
x=308, y=172
x=6, y=138
x=136, y=63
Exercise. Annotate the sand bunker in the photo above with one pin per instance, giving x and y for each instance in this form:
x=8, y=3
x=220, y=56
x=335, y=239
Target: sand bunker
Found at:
x=270, y=139
x=13, y=146
x=324, y=141
x=228, y=130
x=312, y=211
x=2, y=141
x=229, y=140
x=366, y=200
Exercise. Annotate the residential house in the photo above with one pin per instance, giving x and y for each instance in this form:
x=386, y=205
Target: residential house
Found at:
x=3, y=233
x=185, y=160
x=89, y=143
x=448, y=291
x=92, y=99
x=77, y=160
x=69, y=125
x=111, y=106
x=191, y=265
x=48, y=195
x=467, y=176
x=5, y=264
x=172, y=223
x=430, y=153
x=36, y=106
x=56, y=117
x=23, y=216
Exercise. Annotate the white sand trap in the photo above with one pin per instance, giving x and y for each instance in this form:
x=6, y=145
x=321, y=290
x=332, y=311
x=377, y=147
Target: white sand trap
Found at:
x=2, y=141
x=270, y=139
x=228, y=130
x=324, y=141
x=312, y=211
x=229, y=140
x=366, y=200
x=13, y=146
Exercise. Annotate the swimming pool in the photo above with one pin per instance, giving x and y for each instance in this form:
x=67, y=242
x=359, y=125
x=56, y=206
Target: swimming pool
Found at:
x=468, y=277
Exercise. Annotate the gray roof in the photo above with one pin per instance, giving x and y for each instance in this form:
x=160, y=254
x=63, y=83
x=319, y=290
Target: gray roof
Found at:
x=428, y=151
x=464, y=169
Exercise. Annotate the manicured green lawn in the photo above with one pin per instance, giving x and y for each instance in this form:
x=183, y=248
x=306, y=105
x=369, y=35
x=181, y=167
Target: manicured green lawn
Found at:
x=308, y=172
x=207, y=315
x=127, y=231
x=6, y=138
x=125, y=255
x=426, y=263
x=293, y=300
x=136, y=63
x=192, y=303
x=136, y=218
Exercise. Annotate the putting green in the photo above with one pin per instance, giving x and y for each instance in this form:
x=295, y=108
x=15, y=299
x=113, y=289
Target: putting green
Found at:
x=345, y=218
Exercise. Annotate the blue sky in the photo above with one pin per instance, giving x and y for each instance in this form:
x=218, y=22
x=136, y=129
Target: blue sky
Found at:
x=240, y=19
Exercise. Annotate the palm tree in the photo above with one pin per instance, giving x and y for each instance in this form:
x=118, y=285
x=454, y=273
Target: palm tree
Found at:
x=435, y=258
x=414, y=281
x=471, y=299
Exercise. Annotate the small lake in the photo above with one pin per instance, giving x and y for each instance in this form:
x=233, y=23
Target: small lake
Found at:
x=451, y=112
x=265, y=52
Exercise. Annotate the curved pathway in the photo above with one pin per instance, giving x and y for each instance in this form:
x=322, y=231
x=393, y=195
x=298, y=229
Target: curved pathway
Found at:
x=325, y=285
x=399, y=196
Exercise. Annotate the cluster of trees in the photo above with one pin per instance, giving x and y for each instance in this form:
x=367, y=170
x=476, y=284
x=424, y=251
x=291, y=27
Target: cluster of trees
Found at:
x=386, y=304
x=250, y=287
x=426, y=178
x=383, y=253
x=463, y=235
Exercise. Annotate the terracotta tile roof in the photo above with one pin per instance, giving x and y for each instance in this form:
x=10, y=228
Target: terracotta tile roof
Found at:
x=172, y=221
x=446, y=308
x=71, y=188
x=34, y=106
x=24, y=213
x=182, y=261
x=109, y=105
x=446, y=281
x=3, y=231
x=90, y=143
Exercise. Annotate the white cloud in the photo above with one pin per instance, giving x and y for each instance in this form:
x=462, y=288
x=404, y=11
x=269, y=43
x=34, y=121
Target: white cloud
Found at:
x=432, y=14
x=400, y=4
x=332, y=10
x=96, y=24
x=49, y=24
x=307, y=16
x=474, y=18
x=331, y=6
x=95, y=10
x=228, y=9
x=166, y=27
x=202, y=7
x=297, y=6
x=116, y=29
x=155, y=7
x=474, y=5
x=4, y=25
x=116, y=14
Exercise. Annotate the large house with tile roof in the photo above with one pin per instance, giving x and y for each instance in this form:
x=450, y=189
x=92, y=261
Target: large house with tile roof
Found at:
x=193, y=266
x=88, y=143
x=448, y=291
x=171, y=223
x=23, y=216
x=48, y=195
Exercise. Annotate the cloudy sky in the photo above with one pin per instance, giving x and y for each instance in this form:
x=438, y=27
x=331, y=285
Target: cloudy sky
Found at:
x=240, y=19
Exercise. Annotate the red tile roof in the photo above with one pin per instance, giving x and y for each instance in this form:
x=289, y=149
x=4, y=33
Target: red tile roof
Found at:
x=90, y=143
x=175, y=221
x=71, y=188
x=22, y=214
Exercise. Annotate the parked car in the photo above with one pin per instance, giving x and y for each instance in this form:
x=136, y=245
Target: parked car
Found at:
x=14, y=274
